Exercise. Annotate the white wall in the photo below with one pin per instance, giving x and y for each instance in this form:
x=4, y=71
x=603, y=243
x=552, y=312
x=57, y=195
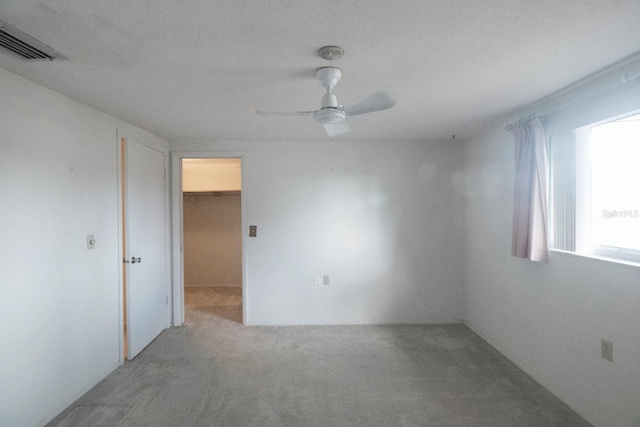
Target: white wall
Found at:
x=383, y=219
x=59, y=303
x=548, y=319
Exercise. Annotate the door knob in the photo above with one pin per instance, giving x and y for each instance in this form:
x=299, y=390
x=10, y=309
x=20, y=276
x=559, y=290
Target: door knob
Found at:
x=136, y=260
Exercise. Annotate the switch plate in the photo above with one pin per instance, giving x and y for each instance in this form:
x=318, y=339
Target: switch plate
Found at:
x=325, y=280
x=253, y=230
x=606, y=350
x=91, y=241
x=317, y=280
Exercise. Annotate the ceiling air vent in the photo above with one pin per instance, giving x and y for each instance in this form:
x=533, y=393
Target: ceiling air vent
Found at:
x=26, y=46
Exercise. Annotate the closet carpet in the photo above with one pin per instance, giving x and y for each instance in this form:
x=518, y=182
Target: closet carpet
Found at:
x=213, y=371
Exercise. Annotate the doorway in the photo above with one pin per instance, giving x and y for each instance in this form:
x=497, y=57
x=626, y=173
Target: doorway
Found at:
x=211, y=196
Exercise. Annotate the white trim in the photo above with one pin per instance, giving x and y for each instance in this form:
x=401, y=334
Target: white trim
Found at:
x=177, y=261
x=168, y=235
x=120, y=253
x=178, y=232
x=68, y=402
x=555, y=392
x=598, y=258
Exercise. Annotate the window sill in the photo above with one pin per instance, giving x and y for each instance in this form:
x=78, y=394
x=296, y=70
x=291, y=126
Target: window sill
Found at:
x=597, y=258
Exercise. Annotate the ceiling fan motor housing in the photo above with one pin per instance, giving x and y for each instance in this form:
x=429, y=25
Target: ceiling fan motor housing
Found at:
x=329, y=111
x=329, y=100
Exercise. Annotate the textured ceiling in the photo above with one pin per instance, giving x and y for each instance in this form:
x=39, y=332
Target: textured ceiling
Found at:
x=190, y=70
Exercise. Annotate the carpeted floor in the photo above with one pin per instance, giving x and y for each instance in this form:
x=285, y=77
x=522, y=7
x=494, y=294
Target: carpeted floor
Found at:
x=213, y=371
x=224, y=302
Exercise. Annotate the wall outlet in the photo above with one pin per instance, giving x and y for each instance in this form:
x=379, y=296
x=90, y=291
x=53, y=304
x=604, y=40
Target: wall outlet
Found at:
x=325, y=280
x=317, y=280
x=606, y=350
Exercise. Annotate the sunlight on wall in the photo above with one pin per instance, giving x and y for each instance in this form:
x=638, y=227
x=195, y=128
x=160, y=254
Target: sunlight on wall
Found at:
x=357, y=230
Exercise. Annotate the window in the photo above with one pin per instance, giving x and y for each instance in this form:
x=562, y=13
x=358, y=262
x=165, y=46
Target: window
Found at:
x=595, y=189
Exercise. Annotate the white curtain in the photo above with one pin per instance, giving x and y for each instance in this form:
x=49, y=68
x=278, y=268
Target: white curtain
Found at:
x=529, y=239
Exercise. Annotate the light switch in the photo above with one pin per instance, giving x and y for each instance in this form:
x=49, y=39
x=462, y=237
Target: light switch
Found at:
x=91, y=241
x=253, y=230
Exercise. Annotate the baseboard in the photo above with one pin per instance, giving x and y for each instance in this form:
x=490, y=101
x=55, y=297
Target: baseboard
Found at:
x=78, y=395
x=226, y=285
x=482, y=335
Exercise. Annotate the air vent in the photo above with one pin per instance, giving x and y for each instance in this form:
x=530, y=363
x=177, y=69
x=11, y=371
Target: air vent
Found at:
x=26, y=46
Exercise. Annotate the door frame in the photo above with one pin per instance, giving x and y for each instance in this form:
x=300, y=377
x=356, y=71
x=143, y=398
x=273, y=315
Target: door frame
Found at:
x=178, y=225
x=121, y=158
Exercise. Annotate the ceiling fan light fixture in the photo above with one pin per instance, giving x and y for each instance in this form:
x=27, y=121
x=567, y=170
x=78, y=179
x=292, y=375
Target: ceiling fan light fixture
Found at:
x=327, y=116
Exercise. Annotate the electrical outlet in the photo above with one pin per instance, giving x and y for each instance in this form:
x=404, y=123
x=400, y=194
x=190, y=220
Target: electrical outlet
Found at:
x=317, y=280
x=325, y=280
x=606, y=350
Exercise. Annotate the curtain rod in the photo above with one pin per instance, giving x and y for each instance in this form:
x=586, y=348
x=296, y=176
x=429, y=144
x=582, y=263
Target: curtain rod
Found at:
x=518, y=123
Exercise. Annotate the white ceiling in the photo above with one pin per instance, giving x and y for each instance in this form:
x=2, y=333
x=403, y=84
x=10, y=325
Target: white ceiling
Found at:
x=190, y=70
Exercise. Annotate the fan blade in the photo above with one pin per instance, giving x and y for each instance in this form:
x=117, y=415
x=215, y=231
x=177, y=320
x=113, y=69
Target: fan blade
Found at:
x=280, y=113
x=339, y=128
x=380, y=100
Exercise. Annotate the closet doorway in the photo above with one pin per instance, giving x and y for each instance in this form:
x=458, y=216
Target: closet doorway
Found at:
x=212, y=237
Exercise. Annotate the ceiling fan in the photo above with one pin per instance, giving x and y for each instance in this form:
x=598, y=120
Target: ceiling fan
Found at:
x=331, y=114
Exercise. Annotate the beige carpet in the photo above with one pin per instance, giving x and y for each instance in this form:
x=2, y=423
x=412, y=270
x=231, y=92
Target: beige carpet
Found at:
x=213, y=371
x=224, y=302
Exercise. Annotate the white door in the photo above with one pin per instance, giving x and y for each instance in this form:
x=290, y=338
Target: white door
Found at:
x=145, y=246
